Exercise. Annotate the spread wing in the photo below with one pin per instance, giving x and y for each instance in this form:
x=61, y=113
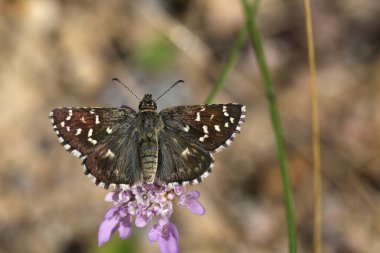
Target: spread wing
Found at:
x=190, y=134
x=101, y=138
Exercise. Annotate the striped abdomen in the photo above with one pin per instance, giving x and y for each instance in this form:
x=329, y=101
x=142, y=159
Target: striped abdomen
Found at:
x=149, y=159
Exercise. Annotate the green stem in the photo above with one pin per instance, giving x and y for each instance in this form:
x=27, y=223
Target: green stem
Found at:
x=276, y=123
x=230, y=63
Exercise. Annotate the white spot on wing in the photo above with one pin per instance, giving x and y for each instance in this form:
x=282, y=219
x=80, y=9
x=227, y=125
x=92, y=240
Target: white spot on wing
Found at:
x=70, y=114
x=198, y=118
x=62, y=124
x=204, y=175
x=109, y=130
x=92, y=178
x=109, y=154
x=212, y=116
x=67, y=146
x=92, y=111
x=82, y=119
x=60, y=139
x=203, y=109
x=92, y=141
x=226, y=124
x=172, y=185
x=79, y=130
x=68, y=129
x=50, y=114
x=89, y=132
x=186, y=152
x=217, y=128
x=232, y=120
x=225, y=111
x=195, y=181
x=202, y=139
x=205, y=129
x=97, y=121
x=186, y=128
x=220, y=148
x=124, y=187
x=76, y=153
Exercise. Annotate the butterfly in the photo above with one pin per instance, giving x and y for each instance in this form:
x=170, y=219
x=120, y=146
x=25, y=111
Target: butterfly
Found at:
x=120, y=147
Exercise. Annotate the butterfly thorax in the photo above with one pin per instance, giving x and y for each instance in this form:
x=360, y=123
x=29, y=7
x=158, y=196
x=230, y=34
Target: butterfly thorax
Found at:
x=148, y=140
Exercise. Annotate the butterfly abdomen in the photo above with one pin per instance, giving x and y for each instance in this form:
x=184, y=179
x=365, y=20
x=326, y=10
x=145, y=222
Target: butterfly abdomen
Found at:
x=148, y=146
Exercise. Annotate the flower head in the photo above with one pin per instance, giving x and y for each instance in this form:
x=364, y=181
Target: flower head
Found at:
x=142, y=203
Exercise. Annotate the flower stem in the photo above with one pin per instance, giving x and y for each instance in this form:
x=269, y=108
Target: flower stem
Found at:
x=230, y=63
x=317, y=244
x=231, y=60
x=276, y=123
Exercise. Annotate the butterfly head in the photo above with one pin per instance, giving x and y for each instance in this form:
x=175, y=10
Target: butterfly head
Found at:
x=147, y=103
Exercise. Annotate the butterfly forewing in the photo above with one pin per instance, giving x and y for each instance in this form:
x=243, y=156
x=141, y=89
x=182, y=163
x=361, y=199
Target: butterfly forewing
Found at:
x=213, y=126
x=81, y=130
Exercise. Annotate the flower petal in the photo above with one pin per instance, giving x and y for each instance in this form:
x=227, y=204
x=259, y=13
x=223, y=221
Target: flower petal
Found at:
x=169, y=244
x=173, y=230
x=193, y=194
x=111, y=213
x=196, y=207
x=154, y=233
x=124, y=231
x=167, y=210
x=179, y=189
x=190, y=200
x=142, y=220
x=109, y=197
x=125, y=226
x=107, y=227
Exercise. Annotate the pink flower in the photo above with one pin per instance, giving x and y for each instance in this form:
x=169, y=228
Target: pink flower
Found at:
x=143, y=203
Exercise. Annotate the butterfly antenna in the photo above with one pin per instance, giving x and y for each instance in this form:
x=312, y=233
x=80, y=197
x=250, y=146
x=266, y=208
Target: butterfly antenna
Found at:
x=178, y=82
x=120, y=82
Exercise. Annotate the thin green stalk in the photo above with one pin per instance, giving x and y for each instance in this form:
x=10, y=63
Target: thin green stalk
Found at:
x=317, y=198
x=276, y=123
x=230, y=63
x=231, y=60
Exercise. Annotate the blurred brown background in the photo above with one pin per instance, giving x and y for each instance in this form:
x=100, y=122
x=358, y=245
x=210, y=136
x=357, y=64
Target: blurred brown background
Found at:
x=64, y=53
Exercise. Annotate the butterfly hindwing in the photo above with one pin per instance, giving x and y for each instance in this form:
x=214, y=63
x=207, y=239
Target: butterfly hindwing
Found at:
x=115, y=163
x=181, y=160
